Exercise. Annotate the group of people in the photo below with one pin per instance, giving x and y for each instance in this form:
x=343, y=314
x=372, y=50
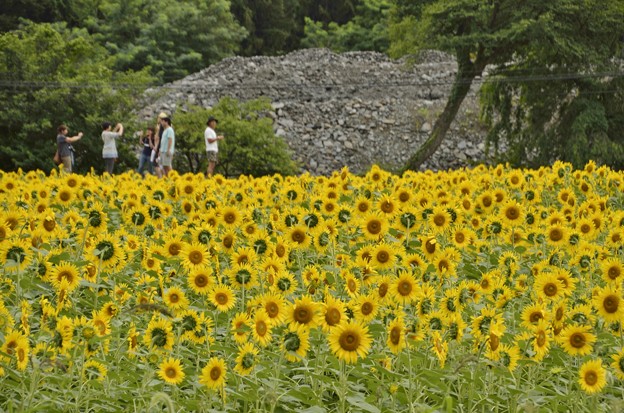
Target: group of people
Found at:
x=157, y=143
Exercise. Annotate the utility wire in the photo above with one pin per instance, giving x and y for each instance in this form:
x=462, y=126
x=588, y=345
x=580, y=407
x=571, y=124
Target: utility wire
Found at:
x=8, y=84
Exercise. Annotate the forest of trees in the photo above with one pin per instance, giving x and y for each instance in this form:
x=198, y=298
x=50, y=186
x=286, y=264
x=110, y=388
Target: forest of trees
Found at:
x=80, y=61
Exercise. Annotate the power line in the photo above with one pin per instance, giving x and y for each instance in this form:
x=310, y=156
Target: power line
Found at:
x=8, y=84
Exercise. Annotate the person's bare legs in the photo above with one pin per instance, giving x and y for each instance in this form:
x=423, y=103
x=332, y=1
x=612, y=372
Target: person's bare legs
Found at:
x=210, y=170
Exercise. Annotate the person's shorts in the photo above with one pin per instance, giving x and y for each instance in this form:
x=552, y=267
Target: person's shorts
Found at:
x=212, y=156
x=165, y=160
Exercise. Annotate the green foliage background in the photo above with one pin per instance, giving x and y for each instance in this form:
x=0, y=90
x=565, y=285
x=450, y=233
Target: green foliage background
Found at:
x=249, y=148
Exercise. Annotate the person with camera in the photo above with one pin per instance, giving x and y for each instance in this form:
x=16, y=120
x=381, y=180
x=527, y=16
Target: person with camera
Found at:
x=109, y=151
x=64, y=147
x=147, y=144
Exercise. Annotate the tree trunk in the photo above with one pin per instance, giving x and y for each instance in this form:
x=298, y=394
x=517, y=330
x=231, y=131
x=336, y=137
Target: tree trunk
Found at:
x=466, y=73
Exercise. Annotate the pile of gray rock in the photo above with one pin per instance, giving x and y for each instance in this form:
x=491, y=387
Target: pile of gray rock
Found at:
x=352, y=109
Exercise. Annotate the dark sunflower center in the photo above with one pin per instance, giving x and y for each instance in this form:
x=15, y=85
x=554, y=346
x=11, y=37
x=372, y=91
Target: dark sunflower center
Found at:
x=373, y=227
x=215, y=373
x=405, y=288
x=221, y=298
x=349, y=341
x=591, y=378
x=196, y=257
x=611, y=304
x=303, y=315
x=395, y=335
x=332, y=316
x=201, y=280
x=577, y=340
x=106, y=250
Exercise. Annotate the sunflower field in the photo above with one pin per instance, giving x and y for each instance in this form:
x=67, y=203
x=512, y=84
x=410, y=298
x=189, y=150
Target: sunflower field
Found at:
x=472, y=290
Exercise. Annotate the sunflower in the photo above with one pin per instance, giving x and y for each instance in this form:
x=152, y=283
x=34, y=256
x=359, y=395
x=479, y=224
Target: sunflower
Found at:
x=16, y=345
x=305, y=312
x=404, y=289
x=242, y=276
x=65, y=196
x=429, y=245
x=170, y=370
x=137, y=216
x=396, y=335
x=582, y=314
x=15, y=254
x=240, y=327
x=261, y=328
x=298, y=235
x=174, y=246
x=439, y=219
x=612, y=270
x=230, y=217
x=577, y=340
x=508, y=356
x=201, y=280
x=350, y=340
x=159, y=334
x=541, y=340
x=334, y=312
x=609, y=304
x=407, y=219
x=227, y=241
x=556, y=234
x=532, y=314
x=96, y=217
x=439, y=347
x=362, y=205
x=481, y=323
x=213, y=374
x=382, y=288
x=246, y=359
x=133, y=341
x=383, y=256
x=462, y=237
x=351, y=283
x=444, y=264
x=65, y=271
x=485, y=201
x=280, y=248
x=175, y=299
x=94, y=370
x=222, y=297
x=365, y=308
x=107, y=250
x=618, y=364
x=515, y=179
x=548, y=286
x=374, y=226
x=592, y=376
x=194, y=255
x=586, y=228
x=295, y=343
x=284, y=283
x=387, y=205
x=274, y=305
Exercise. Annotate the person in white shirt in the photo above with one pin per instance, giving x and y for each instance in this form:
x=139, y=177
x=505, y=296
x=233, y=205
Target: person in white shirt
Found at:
x=212, y=147
x=109, y=150
x=167, y=146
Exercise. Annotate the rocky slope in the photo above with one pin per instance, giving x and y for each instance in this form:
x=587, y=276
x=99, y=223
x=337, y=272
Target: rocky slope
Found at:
x=352, y=109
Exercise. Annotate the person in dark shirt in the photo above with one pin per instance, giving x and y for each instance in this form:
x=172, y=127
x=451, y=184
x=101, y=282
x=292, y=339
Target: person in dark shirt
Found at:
x=65, y=150
x=147, y=145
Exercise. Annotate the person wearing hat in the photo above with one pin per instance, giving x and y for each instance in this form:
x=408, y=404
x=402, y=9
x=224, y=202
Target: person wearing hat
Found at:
x=212, y=147
x=155, y=158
